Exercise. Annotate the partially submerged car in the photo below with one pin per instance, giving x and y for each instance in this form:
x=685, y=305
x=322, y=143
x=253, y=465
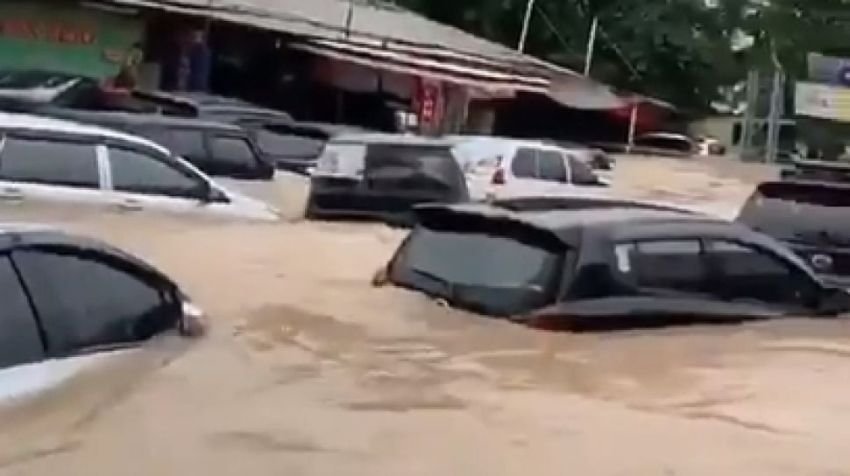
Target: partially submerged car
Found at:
x=294, y=147
x=604, y=268
x=21, y=90
x=665, y=143
x=811, y=217
x=215, y=148
x=68, y=299
x=501, y=168
x=209, y=107
x=384, y=176
x=57, y=161
x=817, y=170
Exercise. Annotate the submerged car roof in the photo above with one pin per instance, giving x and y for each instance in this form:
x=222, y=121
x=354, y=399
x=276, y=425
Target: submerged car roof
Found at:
x=141, y=119
x=391, y=139
x=568, y=224
x=22, y=235
x=30, y=122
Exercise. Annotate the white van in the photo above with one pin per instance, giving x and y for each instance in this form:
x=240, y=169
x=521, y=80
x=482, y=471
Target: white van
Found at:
x=52, y=160
x=503, y=168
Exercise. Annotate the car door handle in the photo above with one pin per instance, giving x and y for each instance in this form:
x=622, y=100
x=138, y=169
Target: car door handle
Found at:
x=130, y=205
x=11, y=194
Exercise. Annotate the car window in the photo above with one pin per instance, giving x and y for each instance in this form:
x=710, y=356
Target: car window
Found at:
x=581, y=173
x=51, y=162
x=289, y=144
x=500, y=273
x=85, y=302
x=524, y=164
x=745, y=272
x=676, y=265
x=233, y=151
x=551, y=165
x=135, y=172
x=188, y=143
x=20, y=341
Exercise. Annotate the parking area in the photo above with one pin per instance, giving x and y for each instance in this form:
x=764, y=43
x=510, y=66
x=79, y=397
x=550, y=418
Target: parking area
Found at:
x=309, y=370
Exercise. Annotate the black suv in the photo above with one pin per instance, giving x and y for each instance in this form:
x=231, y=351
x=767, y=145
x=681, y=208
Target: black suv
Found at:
x=383, y=176
x=217, y=149
x=604, y=268
x=811, y=217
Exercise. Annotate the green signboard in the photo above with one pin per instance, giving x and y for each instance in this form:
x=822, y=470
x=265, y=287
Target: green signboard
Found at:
x=65, y=37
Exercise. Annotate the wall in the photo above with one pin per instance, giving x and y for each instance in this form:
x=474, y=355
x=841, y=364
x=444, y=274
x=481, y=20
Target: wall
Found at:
x=65, y=37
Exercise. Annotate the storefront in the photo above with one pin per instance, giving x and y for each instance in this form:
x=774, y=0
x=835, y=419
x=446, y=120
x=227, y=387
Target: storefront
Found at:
x=66, y=37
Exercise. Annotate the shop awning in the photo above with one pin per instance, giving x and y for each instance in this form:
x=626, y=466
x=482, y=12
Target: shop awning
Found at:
x=433, y=63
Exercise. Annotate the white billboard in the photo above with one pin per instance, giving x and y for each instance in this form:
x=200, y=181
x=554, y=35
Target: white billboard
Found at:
x=822, y=101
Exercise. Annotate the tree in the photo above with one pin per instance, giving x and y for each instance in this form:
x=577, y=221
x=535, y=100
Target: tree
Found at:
x=682, y=51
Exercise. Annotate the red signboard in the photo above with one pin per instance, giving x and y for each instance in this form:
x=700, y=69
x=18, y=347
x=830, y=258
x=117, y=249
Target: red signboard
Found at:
x=51, y=32
x=428, y=101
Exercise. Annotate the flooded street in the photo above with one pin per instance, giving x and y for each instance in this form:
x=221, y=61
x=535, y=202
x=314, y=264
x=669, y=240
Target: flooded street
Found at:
x=310, y=371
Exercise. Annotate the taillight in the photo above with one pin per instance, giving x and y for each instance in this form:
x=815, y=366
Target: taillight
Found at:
x=499, y=177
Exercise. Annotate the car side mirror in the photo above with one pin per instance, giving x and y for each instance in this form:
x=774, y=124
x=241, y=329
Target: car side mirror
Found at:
x=834, y=301
x=381, y=277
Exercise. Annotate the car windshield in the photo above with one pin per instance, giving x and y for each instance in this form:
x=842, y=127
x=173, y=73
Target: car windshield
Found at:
x=485, y=272
x=801, y=212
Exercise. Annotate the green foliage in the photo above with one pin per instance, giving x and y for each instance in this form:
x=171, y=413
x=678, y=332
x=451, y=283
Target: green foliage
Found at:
x=678, y=50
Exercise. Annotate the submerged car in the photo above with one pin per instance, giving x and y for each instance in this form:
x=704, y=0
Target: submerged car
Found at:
x=503, y=168
x=209, y=107
x=294, y=147
x=384, y=176
x=57, y=161
x=217, y=149
x=68, y=298
x=604, y=268
x=811, y=217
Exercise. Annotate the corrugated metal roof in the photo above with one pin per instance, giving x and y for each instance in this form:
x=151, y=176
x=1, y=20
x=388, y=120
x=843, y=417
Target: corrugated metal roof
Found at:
x=396, y=29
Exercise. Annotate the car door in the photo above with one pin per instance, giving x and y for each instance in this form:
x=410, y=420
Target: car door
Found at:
x=141, y=179
x=46, y=168
x=88, y=301
x=744, y=272
x=524, y=178
x=553, y=172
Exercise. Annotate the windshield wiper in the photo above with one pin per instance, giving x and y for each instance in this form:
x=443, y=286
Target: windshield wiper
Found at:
x=445, y=283
x=822, y=237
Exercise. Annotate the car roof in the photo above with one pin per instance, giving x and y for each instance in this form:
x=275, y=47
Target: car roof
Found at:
x=568, y=224
x=192, y=98
x=462, y=139
x=138, y=119
x=30, y=122
x=665, y=135
x=15, y=235
x=386, y=138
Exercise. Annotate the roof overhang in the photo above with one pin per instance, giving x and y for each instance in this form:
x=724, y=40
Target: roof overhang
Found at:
x=434, y=63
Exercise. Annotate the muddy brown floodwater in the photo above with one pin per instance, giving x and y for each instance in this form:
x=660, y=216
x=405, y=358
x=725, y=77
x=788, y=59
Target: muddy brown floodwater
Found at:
x=310, y=371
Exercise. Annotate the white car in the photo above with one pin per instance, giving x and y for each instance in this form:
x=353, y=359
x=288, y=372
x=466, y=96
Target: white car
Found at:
x=503, y=168
x=52, y=160
x=69, y=302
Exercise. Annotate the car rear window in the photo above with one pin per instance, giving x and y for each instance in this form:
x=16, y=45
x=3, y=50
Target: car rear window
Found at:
x=488, y=269
x=799, y=211
x=413, y=166
x=289, y=144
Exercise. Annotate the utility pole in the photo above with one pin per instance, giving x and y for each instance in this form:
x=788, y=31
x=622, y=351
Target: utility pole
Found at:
x=591, y=43
x=349, y=18
x=750, y=113
x=774, y=118
x=632, y=125
x=529, y=9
